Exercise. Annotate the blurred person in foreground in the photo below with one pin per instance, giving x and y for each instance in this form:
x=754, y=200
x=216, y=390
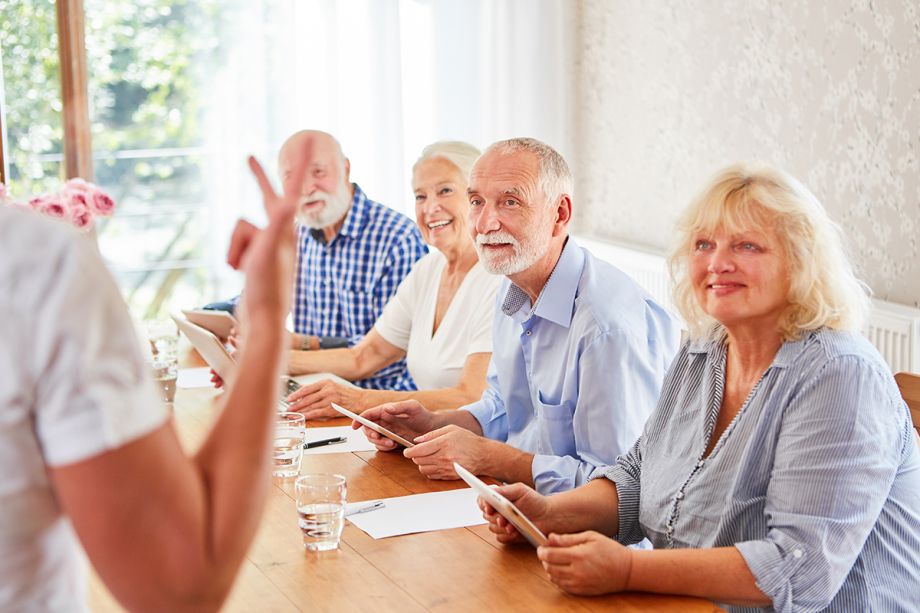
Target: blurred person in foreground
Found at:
x=579, y=349
x=779, y=469
x=88, y=451
x=436, y=319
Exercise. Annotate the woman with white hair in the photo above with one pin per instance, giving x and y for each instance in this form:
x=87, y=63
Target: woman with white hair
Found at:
x=440, y=318
x=779, y=468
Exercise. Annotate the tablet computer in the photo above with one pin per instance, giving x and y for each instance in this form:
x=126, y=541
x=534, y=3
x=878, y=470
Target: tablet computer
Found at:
x=218, y=322
x=504, y=506
x=210, y=348
x=373, y=426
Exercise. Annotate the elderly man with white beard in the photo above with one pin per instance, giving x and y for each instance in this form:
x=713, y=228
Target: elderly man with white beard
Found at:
x=352, y=254
x=579, y=349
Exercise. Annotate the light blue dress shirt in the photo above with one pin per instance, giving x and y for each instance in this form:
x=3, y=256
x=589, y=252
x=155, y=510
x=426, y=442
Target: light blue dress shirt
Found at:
x=574, y=379
x=816, y=481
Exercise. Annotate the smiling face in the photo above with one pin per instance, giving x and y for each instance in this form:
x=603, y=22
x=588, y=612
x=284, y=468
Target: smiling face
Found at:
x=440, y=203
x=741, y=277
x=510, y=220
x=324, y=194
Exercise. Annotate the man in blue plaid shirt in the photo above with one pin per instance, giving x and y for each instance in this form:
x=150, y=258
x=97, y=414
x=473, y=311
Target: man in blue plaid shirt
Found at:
x=352, y=253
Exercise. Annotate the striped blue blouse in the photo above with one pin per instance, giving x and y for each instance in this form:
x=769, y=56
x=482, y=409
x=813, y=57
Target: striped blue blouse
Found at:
x=816, y=481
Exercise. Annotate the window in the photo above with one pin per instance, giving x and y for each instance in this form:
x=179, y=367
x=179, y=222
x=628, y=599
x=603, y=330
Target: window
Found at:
x=31, y=96
x=166, y=98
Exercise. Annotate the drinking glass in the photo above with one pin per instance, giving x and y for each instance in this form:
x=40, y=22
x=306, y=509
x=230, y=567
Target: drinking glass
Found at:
x=290, y=431
x=163, y=337
x=321, y=510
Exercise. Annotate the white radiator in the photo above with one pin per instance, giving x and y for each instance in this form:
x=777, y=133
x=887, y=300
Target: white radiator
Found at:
x=894, y=329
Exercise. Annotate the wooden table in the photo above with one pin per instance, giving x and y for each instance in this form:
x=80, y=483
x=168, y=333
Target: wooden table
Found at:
x=463, y=569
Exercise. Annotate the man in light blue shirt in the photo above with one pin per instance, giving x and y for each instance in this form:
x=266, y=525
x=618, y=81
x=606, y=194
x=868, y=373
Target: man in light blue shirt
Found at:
x=579, y=349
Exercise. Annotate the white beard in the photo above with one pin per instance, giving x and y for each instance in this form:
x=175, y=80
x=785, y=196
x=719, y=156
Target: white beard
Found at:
x=526, y=252
x=334, y=208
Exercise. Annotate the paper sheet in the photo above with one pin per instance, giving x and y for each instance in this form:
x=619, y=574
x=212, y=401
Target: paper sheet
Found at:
x=194, y=377
x=356, y=440
x=421, y=513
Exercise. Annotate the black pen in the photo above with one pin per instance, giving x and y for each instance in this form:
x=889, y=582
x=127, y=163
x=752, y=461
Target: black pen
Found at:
x=325, y=441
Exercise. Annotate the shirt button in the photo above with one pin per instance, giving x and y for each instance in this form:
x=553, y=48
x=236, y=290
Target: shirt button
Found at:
x=528, y=333
x=700, y=463
x=797, y=554
x=670, y=529
x=680, y=495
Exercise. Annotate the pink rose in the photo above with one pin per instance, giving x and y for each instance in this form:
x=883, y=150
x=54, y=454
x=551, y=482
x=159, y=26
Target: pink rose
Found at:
x=101, y=203
x=74, y=197
x=36, y=202
x=81, y=216
x=2, y=191
x=52, y=207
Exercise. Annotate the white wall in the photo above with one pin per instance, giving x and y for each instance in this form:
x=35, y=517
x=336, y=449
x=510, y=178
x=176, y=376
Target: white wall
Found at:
x=666, y=93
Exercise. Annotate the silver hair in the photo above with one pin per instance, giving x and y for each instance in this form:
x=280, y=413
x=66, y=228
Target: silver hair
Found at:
x=460, y=154
x=555, y=176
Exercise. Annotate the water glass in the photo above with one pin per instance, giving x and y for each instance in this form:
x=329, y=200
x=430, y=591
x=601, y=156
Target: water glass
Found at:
x=290, y=431
x=163, y=337
x=321, y=510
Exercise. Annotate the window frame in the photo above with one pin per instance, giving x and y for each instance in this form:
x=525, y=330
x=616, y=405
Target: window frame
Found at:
x=78, y=146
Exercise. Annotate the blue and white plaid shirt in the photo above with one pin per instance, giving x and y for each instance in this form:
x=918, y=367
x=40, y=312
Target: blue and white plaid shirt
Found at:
x=342, y=286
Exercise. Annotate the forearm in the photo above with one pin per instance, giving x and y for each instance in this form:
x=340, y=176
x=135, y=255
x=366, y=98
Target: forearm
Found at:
x=234, y=460
x=362, y=360
x=434, y=400
x=506, y=463
x=342, y=362
x=593, y=506
x=718, y=574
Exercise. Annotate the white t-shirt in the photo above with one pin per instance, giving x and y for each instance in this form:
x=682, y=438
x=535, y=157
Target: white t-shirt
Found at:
x=73, y=384
x=408, y=318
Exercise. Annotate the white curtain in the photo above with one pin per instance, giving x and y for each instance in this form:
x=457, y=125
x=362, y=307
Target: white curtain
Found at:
x=386, y=77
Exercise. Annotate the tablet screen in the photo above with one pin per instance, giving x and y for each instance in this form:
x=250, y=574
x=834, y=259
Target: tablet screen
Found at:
x=505, y=507
x=373, y=426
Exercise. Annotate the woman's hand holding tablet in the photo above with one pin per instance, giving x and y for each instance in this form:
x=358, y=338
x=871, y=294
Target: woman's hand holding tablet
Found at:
x=504, y=507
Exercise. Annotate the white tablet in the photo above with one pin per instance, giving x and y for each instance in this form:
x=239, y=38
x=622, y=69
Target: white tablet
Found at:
x=210, y=348
x=504, y=506
x=373, y=426
x=218, y=322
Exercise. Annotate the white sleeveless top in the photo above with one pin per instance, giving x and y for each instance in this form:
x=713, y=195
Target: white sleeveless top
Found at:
x=436, y=361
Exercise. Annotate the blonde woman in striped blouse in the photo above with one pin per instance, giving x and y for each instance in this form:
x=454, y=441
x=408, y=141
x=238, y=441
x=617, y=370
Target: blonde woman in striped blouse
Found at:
x=779, y=469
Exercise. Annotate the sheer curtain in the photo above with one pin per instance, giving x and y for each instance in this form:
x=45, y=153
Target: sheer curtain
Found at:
x=386, y=77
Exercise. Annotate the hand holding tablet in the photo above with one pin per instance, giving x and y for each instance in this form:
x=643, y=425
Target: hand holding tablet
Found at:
x=373, y=426
x=219, y=323
x=505, y=507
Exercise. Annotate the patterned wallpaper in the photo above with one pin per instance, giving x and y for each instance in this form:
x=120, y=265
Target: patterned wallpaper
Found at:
x=667, y=93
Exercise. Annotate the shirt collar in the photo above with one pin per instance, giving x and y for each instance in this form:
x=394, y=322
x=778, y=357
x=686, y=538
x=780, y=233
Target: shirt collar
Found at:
x=557, y=298
x=354, y=218
x=787, y=354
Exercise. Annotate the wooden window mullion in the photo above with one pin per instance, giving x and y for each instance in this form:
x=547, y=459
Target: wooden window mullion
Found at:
x=78, y=148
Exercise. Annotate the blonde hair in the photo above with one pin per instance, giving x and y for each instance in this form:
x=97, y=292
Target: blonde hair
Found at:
x=460, y=154
x=823, y=290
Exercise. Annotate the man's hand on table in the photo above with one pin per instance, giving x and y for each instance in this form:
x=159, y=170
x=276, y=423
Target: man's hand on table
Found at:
x=436, y=452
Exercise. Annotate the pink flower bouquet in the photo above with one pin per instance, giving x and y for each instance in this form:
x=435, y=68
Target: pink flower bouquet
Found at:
x=77, y=202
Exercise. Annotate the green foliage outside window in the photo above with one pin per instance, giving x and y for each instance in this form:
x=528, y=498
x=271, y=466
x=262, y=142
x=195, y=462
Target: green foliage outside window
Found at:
x=148, y=63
